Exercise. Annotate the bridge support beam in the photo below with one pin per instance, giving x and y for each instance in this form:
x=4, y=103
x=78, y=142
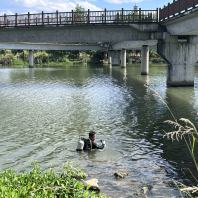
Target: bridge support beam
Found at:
x=123, y=58
x=31, y=58
x=145, y=60
x=181, y=55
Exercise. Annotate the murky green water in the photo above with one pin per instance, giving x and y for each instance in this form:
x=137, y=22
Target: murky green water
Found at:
x=44, y=111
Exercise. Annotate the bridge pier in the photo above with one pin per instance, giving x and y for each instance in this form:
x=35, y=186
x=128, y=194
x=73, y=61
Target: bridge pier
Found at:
x=31, y=58
x=181, y=55
x=123, y=58
x=145, y=60
x=109, y=60
x=115, y=56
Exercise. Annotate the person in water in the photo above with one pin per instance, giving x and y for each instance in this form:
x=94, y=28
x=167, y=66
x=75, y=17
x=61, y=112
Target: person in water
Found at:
x=90, y=143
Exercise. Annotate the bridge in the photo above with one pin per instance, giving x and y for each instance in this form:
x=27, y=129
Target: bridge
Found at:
x=172, y=30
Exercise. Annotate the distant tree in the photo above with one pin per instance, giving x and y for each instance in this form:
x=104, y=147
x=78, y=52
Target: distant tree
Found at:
x=79, y=14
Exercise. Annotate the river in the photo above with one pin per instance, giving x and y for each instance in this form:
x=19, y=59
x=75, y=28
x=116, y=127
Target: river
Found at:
x=44, y=111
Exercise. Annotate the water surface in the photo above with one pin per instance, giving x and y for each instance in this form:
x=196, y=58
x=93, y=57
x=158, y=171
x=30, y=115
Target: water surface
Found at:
x=44, y=111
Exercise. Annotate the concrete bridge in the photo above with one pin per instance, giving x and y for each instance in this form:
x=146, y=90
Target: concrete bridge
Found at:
x=169, y=29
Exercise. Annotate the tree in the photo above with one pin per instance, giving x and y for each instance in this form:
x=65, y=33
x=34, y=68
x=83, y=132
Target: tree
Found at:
x=79, y=14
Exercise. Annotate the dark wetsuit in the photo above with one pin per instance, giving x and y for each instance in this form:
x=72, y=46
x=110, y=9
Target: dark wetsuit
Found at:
x=89, y=145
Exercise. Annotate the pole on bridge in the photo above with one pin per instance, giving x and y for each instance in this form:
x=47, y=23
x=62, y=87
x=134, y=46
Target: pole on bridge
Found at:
x=145, y=60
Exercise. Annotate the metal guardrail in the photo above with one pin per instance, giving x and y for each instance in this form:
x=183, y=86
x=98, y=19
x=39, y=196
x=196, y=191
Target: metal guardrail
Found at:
x=85, y=17
x=176, y=8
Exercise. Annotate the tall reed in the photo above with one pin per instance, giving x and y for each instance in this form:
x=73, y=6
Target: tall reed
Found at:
x=182, y=129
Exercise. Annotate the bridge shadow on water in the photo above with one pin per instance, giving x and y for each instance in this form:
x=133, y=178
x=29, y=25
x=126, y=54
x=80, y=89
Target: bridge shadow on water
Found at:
x=149, y=113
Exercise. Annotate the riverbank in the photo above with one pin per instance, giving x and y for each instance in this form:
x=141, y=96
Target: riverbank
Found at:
x=38, y=183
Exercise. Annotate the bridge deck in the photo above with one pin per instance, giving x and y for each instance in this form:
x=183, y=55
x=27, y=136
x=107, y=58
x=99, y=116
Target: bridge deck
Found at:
x=85, y=17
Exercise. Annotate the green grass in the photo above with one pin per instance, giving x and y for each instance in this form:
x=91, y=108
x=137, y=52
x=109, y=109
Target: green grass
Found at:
x=44, y=184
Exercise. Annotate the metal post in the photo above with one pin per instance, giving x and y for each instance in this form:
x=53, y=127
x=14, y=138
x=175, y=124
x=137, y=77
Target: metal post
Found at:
x=88, y=15
x=157, y=10
x=16, y=19
x=60, y=19
x=72, y=17
x=57, y=17
x=105, y=15
x=168, y=10
x=42, y=18
x=28, y=19
x=5, y=20
x=140, y=14
x=122, y=15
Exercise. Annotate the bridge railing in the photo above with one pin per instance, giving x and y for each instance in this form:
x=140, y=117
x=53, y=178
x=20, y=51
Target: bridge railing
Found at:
x=87, y=17
x=176, y=8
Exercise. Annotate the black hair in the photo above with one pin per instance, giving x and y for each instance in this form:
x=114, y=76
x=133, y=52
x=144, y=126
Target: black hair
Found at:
x=92, y=133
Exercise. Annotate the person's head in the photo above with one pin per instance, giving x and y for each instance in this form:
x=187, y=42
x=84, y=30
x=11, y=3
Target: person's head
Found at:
x=92, y=136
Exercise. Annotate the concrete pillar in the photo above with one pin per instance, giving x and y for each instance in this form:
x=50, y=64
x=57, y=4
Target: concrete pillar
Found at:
x=115, y=56
x=181, y=55
x=109, y=60
x=31, y=58
x=145, y=60
x=123, y=58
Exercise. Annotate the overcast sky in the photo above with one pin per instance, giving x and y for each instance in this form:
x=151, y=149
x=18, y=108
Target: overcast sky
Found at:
x=23, y=6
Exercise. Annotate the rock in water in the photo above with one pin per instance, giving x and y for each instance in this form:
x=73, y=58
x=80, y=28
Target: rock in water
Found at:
x=120, y=174
x=92, y=184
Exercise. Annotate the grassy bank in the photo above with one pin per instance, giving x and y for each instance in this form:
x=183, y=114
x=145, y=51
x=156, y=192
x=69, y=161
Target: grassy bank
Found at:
x=43, y=184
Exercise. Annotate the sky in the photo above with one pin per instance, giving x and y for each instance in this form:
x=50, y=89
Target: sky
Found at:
x=34, y=6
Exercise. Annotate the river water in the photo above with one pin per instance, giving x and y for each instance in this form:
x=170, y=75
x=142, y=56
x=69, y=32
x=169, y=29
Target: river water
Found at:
x=44, y=111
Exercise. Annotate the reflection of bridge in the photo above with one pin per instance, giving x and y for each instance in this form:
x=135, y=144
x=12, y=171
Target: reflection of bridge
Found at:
x=173, y=29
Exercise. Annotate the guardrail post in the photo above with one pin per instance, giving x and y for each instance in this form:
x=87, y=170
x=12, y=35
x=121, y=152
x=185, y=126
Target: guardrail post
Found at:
x=140, y=14
x=42, y=18
x=60, y=19
x=16, y=19
x=5, y=20
x=72, y=17
x=57, y=17
x=88, y=15
x=157, y=20
x=122, y=15
x=28, y=19
x=105, y=15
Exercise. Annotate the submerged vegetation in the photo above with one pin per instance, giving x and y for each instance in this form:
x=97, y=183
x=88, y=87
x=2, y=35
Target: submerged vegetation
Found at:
x=38, y=183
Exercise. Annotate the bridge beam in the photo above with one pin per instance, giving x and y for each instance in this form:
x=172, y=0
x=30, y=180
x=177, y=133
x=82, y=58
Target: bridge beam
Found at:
x=145, y=60
x=123, y=58
x=31, y=58
x=181, y=56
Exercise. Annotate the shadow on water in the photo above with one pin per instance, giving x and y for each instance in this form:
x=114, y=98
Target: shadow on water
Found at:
x=150, y=114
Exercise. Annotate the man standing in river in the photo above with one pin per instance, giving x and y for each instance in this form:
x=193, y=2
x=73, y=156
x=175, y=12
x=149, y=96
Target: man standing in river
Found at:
x=90, y=143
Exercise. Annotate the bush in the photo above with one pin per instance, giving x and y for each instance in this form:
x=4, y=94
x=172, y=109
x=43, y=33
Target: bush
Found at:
x=40, y=184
